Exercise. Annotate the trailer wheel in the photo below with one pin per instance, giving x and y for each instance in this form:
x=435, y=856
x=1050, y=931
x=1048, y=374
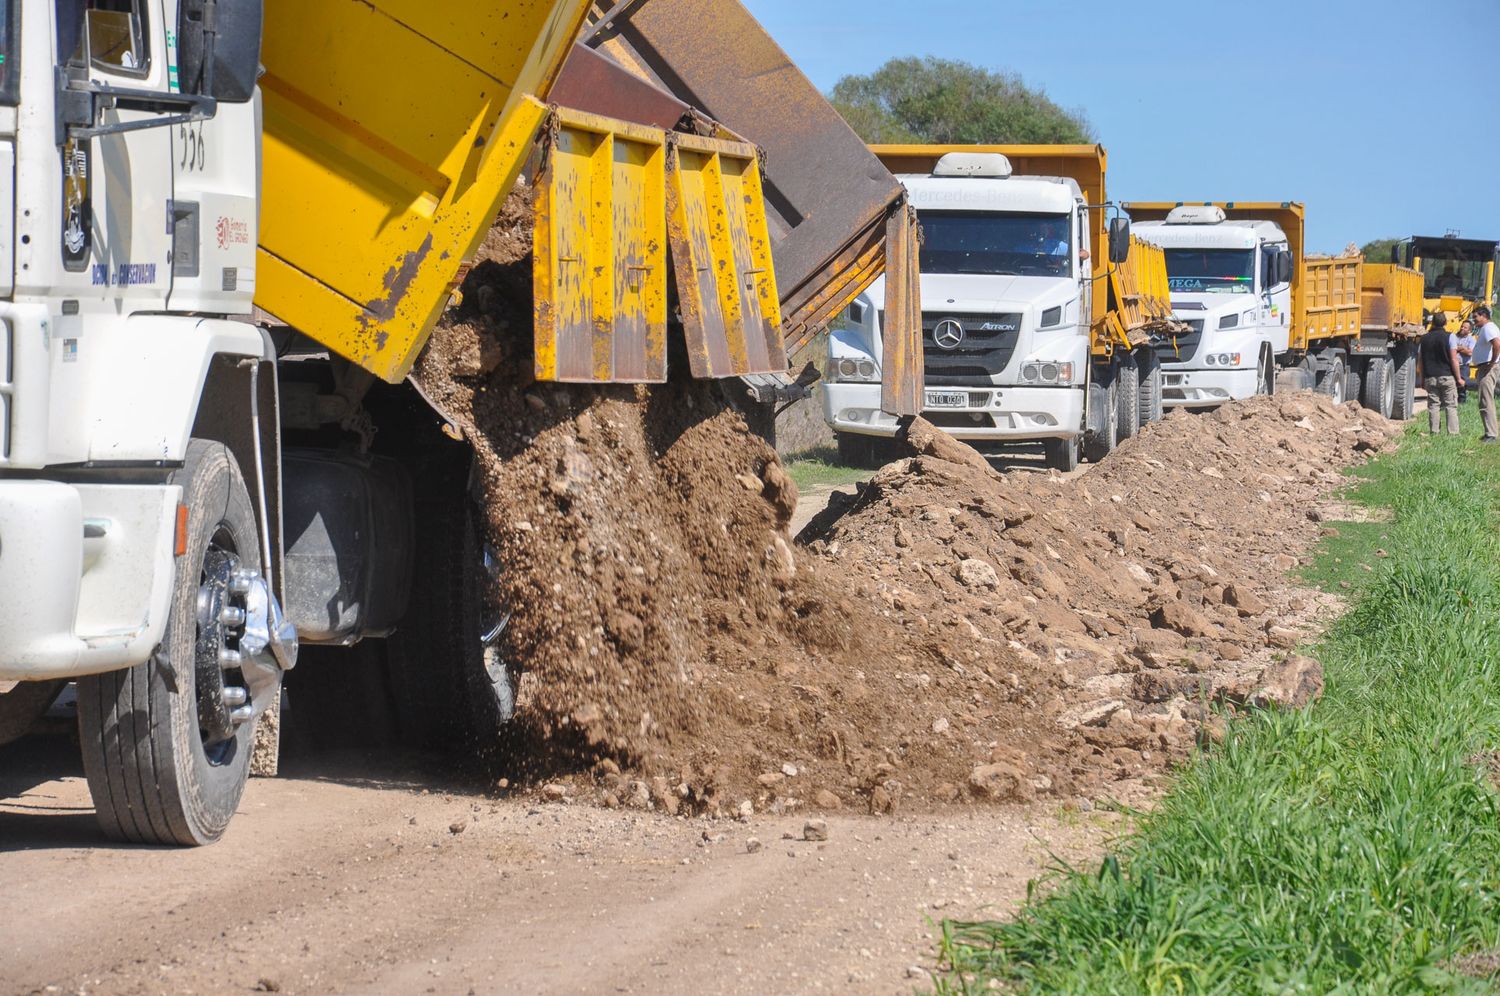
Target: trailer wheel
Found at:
x=1127, y=399
x=166, y=762
x=1354, y=379
x=1403, y=381
x=1061, y=454
x=1332, y=380
x=1378, y=389
x=1148, y=377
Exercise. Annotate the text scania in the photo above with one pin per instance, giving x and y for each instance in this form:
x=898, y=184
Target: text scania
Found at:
x=124, y=274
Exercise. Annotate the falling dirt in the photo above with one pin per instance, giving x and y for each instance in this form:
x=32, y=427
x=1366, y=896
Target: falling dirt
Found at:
x=948, y=634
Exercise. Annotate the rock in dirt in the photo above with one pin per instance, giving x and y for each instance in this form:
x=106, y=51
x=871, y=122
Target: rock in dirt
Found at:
x=825, y=799
x=977, y=574
x=1001, y=782
x=1293, y=683
x=815, y=830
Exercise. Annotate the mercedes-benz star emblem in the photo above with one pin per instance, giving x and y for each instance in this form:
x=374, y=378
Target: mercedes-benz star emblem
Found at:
x=948, y=334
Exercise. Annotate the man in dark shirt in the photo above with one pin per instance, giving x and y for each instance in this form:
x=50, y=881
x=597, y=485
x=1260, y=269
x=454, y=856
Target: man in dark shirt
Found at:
x=1440, y=374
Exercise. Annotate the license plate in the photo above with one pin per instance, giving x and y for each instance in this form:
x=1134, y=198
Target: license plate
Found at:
x=947, y=399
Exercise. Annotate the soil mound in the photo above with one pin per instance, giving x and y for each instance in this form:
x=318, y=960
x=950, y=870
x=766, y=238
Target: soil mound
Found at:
x=947, y=632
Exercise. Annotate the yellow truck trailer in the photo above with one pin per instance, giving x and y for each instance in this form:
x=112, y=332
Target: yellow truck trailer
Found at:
x=1039, y=309
x=264, y=481
x=1261, y=310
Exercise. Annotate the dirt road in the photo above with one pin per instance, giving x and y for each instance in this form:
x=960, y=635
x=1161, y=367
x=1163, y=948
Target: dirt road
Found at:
x=353, y=875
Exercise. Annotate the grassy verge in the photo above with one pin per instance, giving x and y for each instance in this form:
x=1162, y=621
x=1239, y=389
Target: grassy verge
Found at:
x=1353, y=847
x=821, y=466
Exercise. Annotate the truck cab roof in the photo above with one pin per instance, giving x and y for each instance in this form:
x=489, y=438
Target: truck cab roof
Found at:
x=1032, y=194
x=1233, y=234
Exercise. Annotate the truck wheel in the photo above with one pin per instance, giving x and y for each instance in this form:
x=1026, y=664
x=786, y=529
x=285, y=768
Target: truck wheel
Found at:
x=1127, y=399
x=1061, y=454
x=1377, y=393
x=451, y=688
x=1148, y=377
x=1354, y=379
x=1332, y=380
x=166, y=744
x=1097, y=443
x=1403, y=381
x=23, y=705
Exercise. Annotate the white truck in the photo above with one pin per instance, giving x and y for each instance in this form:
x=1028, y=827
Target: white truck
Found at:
x=1231, y=284
x=229, y=232
x=1264, y=313
x=1038, y=317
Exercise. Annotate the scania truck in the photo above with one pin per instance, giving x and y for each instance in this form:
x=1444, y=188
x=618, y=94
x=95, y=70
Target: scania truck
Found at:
x=1039, y=309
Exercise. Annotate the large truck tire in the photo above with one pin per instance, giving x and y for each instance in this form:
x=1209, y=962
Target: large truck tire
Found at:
x=1332, y=379
x=1060, y=454
x=1354, y=378
x=1100, y=440
x=451, y=691
x=1378, y=390
x=1127, y=399
x=162, y=765
x=23, y=705
x=1148, y=377
x=1403, y=381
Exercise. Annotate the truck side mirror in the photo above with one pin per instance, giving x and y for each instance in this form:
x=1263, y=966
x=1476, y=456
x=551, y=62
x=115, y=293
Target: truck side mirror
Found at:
x=1119, y=239
x=1284, y=266
x=218, y=48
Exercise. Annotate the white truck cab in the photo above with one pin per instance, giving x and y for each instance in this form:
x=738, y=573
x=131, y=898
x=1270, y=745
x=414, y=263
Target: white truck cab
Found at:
x=1230, y=282
x=1005, y=293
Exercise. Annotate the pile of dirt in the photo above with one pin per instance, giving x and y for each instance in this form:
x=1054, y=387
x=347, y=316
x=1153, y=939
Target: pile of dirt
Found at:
x=946, y=633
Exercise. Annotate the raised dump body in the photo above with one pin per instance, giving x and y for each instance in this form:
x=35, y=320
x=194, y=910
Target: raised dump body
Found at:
x=392, y=130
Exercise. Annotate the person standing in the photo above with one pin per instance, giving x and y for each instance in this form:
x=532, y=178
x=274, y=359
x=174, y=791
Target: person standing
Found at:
x=1486, y=352
x=1464, y=343
x=1440, y=374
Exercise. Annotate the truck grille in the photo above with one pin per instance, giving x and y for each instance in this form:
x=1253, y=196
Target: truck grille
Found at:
x=1186, y=345
x=989, y=341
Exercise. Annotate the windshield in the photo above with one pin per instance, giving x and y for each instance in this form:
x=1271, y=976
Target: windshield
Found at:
x=1462, y=277
x=1211, y=271
x=991, y=242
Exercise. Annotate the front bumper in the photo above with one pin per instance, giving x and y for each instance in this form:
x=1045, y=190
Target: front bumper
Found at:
x=1017, y=414
x=85, y=576
x=1203, y=387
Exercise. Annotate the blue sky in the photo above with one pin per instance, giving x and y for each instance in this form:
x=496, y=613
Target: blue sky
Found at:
x=1383, y=117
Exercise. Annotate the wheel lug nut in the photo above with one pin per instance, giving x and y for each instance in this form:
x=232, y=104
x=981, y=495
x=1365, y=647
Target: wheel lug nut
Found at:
x=229, y=658
x=234, y=695
x=243, y=714
x=232, y=615
x=239, y=583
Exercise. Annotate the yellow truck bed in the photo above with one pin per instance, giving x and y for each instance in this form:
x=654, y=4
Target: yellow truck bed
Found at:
x=1391, y=299
x=392, y=131
x=1136, y=301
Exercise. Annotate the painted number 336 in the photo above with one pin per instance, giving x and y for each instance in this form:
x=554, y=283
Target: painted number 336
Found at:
x=192, y=153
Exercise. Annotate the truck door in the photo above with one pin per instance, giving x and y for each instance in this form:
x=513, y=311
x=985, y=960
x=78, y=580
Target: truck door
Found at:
x=116, y=242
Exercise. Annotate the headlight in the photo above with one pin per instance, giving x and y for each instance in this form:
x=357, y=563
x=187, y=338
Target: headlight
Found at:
x=1047, y=372
x=852, y=371
x=1052, y=316
x=1229, y=321
x=1223, y=359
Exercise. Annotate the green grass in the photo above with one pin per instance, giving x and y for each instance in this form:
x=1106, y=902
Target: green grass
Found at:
x=820, y=466
x=1353, y=847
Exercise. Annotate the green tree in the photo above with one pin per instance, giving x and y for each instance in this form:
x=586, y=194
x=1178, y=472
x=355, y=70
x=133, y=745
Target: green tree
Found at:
x=1378, y=250
x=945, y=101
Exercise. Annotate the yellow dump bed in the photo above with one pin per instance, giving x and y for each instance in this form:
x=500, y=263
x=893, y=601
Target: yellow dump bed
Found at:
x=392, y=131
x=1137, y=301
x=1391, y=299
